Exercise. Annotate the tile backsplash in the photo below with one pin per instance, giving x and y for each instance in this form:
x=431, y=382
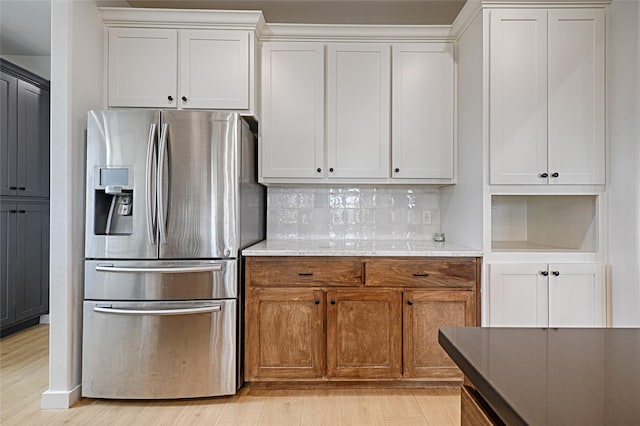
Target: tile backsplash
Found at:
x=346, y=213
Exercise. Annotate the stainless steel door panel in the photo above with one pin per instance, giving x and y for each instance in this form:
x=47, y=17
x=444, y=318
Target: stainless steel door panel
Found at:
x=129, y=354
x=160, y=280
x=126, y=140
x=199, y=184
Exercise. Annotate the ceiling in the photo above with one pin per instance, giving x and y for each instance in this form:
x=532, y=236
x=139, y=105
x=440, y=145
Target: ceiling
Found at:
x=25, y=25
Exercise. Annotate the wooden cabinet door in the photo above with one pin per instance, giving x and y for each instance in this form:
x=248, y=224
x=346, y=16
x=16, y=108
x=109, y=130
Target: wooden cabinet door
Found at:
x=8, y=134
x=8, y=263
x=32, y=280
x=292, y=125
x=422, y=111
x=143, y=67
x=518, y=96
x=576, y=295
x=424, y=313
x=33, y=141
x=358, y=115
x=518, y=295
x=285, y=334
x=364, y=334
x=576, y=97
x=214, y=69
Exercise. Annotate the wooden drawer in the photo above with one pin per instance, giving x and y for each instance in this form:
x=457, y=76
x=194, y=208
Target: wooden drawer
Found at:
x=432, y=272
x=306, y=271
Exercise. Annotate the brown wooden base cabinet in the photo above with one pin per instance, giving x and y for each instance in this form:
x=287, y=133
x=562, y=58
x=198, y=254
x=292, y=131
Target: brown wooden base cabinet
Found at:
x=320, y=319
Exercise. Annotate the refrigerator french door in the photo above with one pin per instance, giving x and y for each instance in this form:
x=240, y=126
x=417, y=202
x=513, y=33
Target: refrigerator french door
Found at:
x=172, y=197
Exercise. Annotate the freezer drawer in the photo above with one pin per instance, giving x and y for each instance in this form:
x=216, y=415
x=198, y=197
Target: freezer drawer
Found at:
x=160, y=280
x=157, y=350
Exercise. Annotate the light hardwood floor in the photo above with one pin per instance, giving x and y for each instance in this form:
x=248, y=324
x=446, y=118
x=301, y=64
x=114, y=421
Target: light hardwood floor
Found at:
x=24, y=376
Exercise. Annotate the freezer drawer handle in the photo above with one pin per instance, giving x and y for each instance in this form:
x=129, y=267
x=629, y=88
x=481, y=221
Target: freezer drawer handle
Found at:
x=176, y=270
x=185, y=311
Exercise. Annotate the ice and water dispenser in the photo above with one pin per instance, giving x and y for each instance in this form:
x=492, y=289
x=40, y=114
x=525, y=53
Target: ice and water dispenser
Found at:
x=113, y=209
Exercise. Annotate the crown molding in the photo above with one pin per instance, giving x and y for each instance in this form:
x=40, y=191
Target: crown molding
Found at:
x=319, y=32
x=183, y=18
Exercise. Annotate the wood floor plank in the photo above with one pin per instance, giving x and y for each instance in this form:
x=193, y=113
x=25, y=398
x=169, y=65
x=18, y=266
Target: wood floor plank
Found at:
x=24, y=375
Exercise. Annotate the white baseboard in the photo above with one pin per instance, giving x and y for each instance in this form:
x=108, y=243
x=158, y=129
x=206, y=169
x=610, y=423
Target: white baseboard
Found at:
x=59, y=400
x=44, y=319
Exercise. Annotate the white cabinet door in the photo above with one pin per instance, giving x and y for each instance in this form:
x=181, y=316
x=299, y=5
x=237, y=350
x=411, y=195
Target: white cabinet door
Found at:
x=143, y=67
x=518, y=96
x=576, y=295
x=422, y=110
x=518, y=295
x=292, y=126
x=358, y=116
x=576, y=96
x=214, y=69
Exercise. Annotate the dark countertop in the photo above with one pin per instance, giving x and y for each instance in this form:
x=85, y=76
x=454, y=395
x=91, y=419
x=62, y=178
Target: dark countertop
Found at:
x=552, y=376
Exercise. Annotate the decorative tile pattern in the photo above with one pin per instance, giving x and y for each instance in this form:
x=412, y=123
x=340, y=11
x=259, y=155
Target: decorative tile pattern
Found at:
x=352, y=213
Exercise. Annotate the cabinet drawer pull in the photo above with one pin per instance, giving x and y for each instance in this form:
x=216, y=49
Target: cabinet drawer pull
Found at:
x=420, y=275
x=544, y=175
x=305, y=274
x=555, y=174
x=544, y=273
x=556, y=273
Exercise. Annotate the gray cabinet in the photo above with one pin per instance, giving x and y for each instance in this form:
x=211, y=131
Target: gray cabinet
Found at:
x=24, y=138
x=24, y=257
x=24, y=197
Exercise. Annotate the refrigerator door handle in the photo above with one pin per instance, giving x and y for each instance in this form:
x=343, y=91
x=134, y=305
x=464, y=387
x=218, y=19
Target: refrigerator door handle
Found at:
x=168, y=270
x=162, y=218
x=151, y=203
x=183, y=311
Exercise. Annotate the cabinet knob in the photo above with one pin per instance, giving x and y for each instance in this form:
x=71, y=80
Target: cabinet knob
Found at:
x=13, y=187
x=544, y=175
x=22, y=211
x=555, y=174
x=184, y=99
x=170, y=98
x=331, y=169
x=544, y=273
x=410, y=302
x=333, y=302
x=317, y=302
x=22, y=188
x=318, y=169
x=556, y=273
x=397, y=170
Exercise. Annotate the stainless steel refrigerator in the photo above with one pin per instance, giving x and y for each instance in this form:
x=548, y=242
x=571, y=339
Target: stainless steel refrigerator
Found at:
x=171, y=199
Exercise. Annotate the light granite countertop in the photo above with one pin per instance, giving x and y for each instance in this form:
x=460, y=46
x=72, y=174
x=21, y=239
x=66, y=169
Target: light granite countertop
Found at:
x=358, y=248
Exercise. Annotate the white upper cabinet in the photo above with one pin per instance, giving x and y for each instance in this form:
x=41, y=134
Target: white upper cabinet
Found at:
x=358, y=110
x=292, y=125
x=142, y=67
x=214, y=69
x=576, y=96
x=546, y=96
x=169, y=68
x=423, y=111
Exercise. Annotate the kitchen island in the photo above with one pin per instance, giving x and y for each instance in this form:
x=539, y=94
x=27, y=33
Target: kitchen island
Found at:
x=547, y=376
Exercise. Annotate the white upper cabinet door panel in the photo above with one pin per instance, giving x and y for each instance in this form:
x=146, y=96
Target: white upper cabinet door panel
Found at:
x=143, y=67
x=422, y=111
x=518, y=96
x=576, y=96
x=518, y=295
x=576, y=295
x=214, y=69
x=358, y=110
x=292, y=126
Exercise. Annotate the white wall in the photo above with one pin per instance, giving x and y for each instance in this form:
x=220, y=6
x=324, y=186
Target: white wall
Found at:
x=39, y=65
x=76, y=87
x=461, y=204
x=624, y=173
